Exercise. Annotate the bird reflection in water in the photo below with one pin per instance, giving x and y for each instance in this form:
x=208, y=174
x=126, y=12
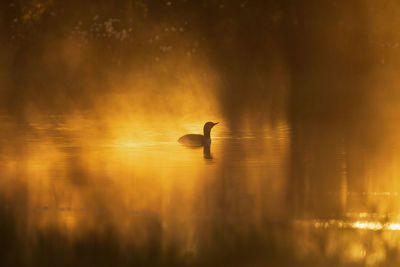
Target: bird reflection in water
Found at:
x=198, y=140
x=207, y=152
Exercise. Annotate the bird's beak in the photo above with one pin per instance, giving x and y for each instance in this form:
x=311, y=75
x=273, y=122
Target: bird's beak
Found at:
x=216, y=123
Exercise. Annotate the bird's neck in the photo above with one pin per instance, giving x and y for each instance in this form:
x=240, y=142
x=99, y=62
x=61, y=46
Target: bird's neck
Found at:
x=207, y=134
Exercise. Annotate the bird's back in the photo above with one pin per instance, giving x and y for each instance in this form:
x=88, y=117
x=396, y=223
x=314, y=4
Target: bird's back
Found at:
x=192, y=140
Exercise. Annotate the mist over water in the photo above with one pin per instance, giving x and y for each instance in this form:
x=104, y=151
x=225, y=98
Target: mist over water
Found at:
x=302, y=169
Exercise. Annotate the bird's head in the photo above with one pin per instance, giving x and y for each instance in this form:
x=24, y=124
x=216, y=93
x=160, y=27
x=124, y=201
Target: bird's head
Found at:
x=208, y=126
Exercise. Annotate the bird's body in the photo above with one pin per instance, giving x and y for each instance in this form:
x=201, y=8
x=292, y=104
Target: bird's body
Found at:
x=198, y=139
x=193, y=140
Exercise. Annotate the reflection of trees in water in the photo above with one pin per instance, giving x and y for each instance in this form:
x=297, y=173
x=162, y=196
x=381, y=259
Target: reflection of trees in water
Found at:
x=53, y=247
x=328, y=107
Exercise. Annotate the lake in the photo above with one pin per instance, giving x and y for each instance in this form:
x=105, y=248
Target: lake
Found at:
x=256, y=198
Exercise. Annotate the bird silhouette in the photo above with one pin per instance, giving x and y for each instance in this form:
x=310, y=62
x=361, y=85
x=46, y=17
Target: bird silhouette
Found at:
x=197, y=140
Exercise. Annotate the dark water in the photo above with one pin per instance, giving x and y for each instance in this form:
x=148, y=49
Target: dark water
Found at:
x=69, y=197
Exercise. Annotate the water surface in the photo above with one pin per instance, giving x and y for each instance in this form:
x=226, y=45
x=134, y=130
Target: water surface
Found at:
x=151, y=201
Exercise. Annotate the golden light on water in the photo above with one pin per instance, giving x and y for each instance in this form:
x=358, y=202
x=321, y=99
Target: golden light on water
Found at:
x=149, y=184
x=349, y=224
